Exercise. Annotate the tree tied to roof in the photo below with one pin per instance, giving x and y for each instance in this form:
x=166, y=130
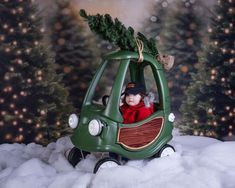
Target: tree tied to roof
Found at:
x=116, y=33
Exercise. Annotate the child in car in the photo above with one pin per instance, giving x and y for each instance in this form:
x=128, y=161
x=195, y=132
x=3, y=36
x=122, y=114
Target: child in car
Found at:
x=134, y=108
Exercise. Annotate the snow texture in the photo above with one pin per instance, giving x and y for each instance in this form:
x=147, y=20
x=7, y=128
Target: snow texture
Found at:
x=198, y=162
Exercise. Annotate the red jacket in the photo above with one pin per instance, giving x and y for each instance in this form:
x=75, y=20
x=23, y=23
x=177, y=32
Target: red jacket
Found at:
x=132, y=114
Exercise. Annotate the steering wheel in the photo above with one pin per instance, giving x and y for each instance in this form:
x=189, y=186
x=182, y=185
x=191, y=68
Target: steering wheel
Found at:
x=105, y=99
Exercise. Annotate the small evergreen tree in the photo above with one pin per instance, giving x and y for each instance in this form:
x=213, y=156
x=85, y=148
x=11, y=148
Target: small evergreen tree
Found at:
x=33, y=105
x=154, y=26
x=75, y=51
x=211, y=95
x=182, y=38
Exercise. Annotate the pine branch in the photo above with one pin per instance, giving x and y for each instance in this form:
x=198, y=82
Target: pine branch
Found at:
x=116, y=33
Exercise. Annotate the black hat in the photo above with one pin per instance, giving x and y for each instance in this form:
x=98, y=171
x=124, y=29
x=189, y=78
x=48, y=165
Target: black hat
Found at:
x=135, y=88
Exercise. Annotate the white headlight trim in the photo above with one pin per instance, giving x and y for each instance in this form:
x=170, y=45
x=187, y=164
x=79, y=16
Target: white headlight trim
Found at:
x=95, y=127
x=73, y=121
x=171, y=117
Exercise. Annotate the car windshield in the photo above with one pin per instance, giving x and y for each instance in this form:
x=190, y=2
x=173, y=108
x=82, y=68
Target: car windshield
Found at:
x=106, y=81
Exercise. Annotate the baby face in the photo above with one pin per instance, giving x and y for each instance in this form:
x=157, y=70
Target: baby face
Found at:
x=132, y=99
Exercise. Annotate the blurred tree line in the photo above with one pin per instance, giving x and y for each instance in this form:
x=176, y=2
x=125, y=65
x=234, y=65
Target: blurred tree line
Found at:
x=203, y=71
x=202, y=80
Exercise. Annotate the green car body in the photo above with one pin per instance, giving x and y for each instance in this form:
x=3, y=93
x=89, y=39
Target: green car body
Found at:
x=110, y=117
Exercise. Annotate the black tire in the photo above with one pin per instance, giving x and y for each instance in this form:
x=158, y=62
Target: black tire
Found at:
x=104, y=160
x=164, y=148
x=76, y=155
x=118, y=157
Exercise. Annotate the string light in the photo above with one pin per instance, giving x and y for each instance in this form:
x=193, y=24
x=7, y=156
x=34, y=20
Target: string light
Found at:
x=39, y=72
x=2, y=37
x=42, y=30
x=24, y=109
x=19, y=61
x=23, y=93
x=24, y=30
x=223, y=50
x=195, y=121
x=230, y=10
x=42, y=112
x=210, y=111
x=216, y=43
x=28, y=50
x=226, y=30
x=215, y=123
x=36, y=43
x=14, y=123
x=2, y=100
x=223, y=119
x=212, y=77
x=39, y=78
x=3, y=113
x=213, y=71
x=8, y=136
x=20, y=10
x=5, y=26
x=11, y=30
x=6, y=77
x=12, y=69
x=14, y=42
x=14, y=96
x=12, y=105
x=29, y=80
x=18, y=52
x=7, y=50
x=29, y=121
x=13, y=11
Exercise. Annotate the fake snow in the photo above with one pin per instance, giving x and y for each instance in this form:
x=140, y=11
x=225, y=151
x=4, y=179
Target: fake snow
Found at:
x=198, y=162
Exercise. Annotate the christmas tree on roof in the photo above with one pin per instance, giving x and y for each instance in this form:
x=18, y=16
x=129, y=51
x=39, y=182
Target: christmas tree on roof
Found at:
x=116, y=33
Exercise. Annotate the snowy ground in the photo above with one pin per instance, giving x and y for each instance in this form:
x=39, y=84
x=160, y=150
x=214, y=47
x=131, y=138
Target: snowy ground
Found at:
x=198, y=162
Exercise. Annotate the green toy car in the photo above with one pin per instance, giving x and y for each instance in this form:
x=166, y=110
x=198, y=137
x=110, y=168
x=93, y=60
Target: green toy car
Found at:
x=99, y=127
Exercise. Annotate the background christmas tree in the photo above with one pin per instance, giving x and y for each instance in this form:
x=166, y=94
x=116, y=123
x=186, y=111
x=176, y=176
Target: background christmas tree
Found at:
x=154, y=26
x=76, y=54
x=182, y=38
x=33, y=105
x=210, y=107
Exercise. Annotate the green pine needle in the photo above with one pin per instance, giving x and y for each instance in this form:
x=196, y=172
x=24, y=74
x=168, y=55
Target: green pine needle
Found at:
x=116, y=33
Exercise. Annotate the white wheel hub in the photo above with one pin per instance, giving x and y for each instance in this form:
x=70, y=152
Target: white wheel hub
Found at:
x=167, y=151
x=108, y=164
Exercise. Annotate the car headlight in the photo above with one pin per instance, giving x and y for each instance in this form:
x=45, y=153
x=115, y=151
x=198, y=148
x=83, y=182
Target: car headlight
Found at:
x=95, y=127
x=73, y=121
x=171, y=117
